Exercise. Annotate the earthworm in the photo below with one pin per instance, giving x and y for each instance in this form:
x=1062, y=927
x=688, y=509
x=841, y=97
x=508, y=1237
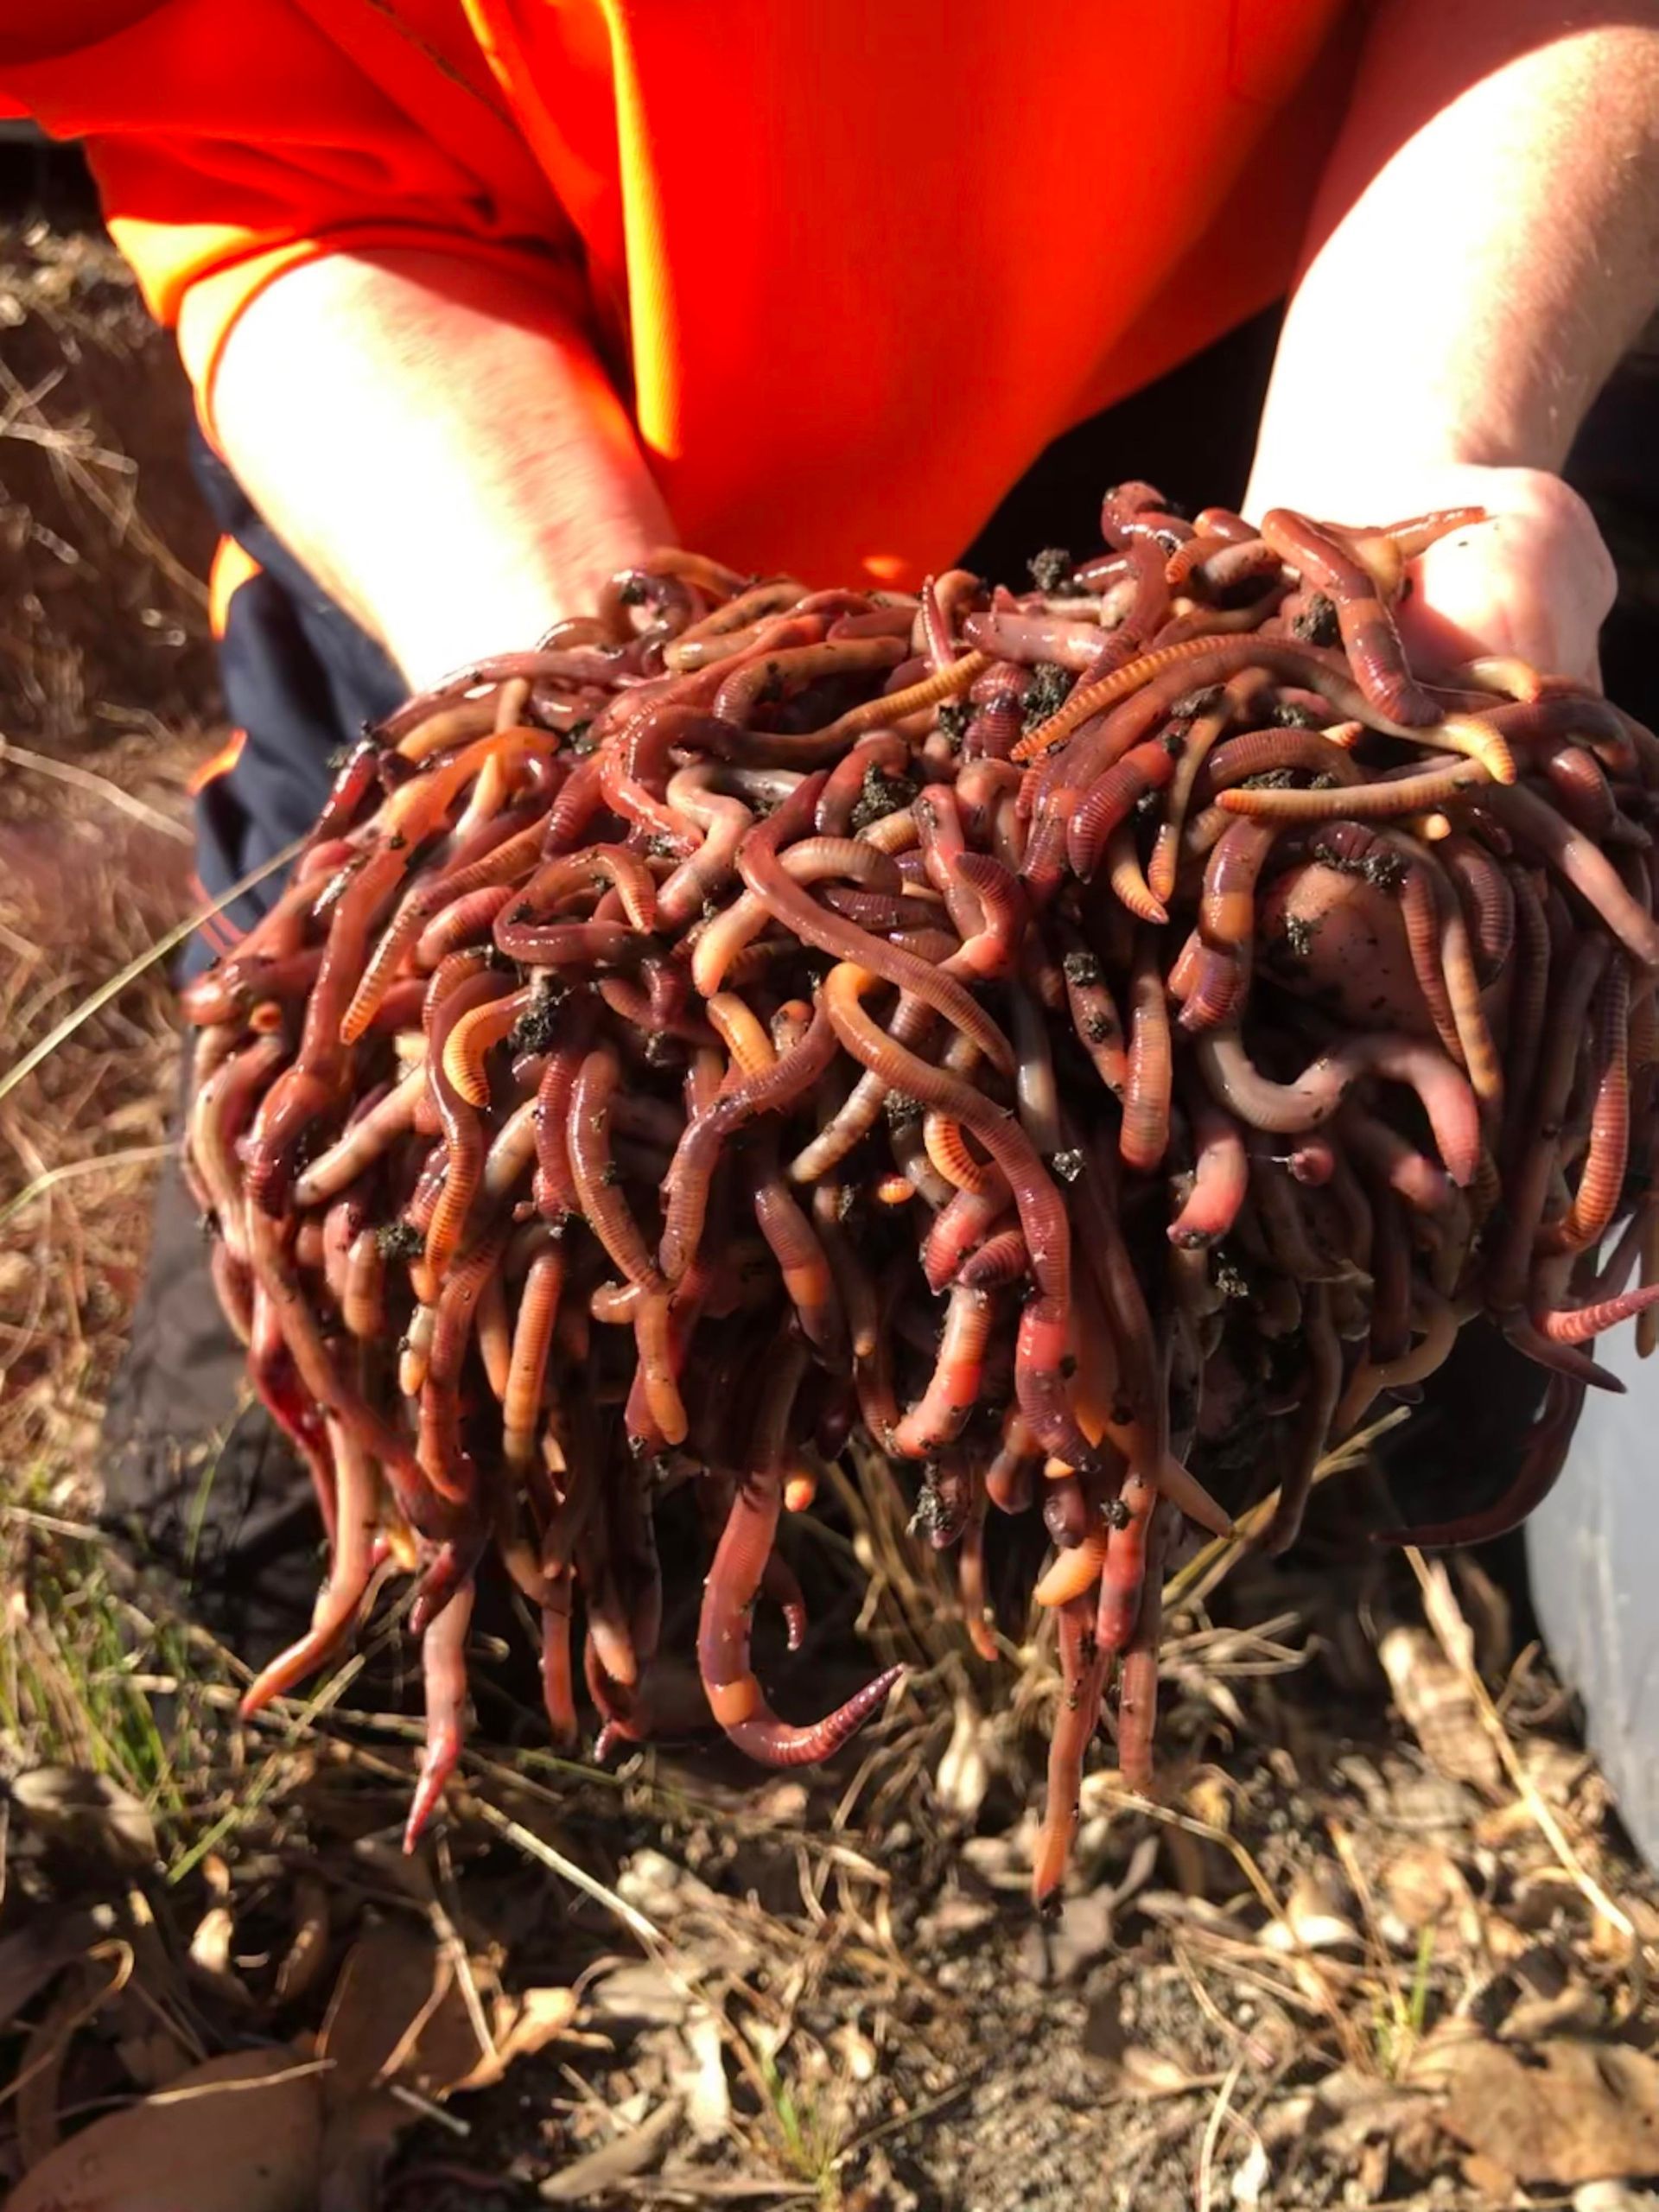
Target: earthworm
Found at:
x=603, y=1203
x=1083, y=1679
x=1094, y=1013
x=1367, y=628
x=1145, y=1135
x=1137, y=1672
x=771, y=883
x=769, y=1089
x=1042, y=1215
x=506, y=1299
x=734, y=1694
x=939, y=1415
x=443, y=1679
x=1542, y=1459
x=1602, y=1177
x=1221, y=1176
x=463, y=1134
x=802, y=1262
x=1588, y=870
x=1318, y=1092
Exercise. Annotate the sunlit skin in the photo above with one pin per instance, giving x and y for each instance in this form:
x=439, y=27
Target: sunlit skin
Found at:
x=1496, y=254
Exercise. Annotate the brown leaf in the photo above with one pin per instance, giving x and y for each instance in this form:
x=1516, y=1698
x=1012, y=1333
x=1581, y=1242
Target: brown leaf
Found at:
x=308, y=1947
x=1587, y=2112
x=1436, y=1703
x=400, y=2011
x=586, y=2179
x=522, y=2025
x=239, y=2134
x=88, y=1815
x=41, y=1947
x=391, y=2014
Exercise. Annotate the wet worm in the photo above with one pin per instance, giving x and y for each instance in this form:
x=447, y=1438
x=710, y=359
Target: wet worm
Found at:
x=758, y=1021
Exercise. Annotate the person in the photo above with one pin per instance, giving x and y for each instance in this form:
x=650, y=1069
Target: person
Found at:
x=483, y=299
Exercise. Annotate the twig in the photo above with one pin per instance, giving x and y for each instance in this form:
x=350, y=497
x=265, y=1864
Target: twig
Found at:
x=85, y=779
x=1212, y=2133
x=1218, y=1557
x=533, y=1845
x=20, y=1070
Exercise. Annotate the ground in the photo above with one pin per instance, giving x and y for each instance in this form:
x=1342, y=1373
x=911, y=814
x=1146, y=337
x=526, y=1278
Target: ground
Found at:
x=1378, y=1941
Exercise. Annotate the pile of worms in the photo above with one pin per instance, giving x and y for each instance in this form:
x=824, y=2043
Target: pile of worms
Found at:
x=1038, y=1032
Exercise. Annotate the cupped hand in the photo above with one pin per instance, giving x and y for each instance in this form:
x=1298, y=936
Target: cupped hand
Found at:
x=1535, y=579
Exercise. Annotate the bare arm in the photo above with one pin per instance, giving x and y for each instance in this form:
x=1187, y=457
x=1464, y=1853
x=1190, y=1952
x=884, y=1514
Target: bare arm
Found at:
x=1485, y=247
x=438, y=445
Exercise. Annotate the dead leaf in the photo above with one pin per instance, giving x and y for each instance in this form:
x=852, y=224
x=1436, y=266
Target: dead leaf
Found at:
x=1315, y=1917
x=308, y=1947
x=1586, y=2112
x=41, y=1947
x=402, y=2014
x=88, y=1815
x=242, y=2133
x=399, y=2011
x=537, y=2018
x=1436, y=1703
x=964, y=1773
x=697, y=2073
x=1493, y=2182
x=1148, y=2073
x=585, y=2178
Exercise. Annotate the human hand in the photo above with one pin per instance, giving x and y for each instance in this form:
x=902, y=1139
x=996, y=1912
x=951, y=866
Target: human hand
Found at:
x=1535, y=579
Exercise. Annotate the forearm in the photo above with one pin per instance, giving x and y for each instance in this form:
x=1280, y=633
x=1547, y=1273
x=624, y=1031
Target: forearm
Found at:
x=1484, y=247
x=438, y=446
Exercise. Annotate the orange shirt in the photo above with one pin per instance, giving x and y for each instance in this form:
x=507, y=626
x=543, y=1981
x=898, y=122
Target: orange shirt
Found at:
x=855, y=262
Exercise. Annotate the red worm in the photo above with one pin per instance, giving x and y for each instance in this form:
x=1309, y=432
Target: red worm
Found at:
x=532, y=1343
x=448, y=1467
x=1083, y=1678
x=1526, y=1185
x=500, y=864
x=1107, y=804
x=1368, y=630
x=1588, y=870
x=735, y=1697
x=1137, y=1673
x=961, y=1224
x=443, y=1678
x=1001, y=1259
x=1042, y=1212
x=1123, y=1574
x=685, y=1187
x=1093, y=1011
x=1144, y=1138
x=801, y=1258
x=1602, y=1177
x=1290, y=1108
x=463, y=1133
x=604, y=1204
x=350, y=1568
x=1220, y=1180
x=796, y=910
x=941, y=1413
x=1542, y=1462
